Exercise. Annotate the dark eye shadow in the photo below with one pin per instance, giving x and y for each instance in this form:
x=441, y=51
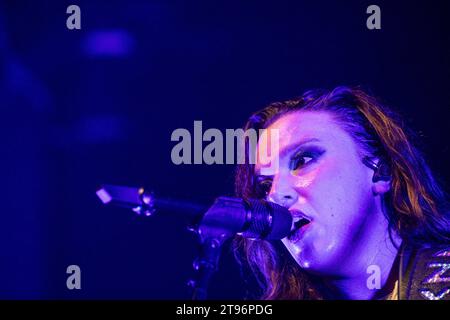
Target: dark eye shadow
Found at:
x=313, y=152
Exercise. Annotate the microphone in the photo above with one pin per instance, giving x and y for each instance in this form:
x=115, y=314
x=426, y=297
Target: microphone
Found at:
x=251, y=218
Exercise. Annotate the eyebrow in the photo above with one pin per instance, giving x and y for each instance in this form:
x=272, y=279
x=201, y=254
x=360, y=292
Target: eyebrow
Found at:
x=292, y=147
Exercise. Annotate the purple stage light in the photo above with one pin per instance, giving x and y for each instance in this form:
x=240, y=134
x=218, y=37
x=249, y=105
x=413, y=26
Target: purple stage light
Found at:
x=109, y=43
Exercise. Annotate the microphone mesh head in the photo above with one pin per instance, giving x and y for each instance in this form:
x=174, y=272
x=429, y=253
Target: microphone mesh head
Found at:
x=268, y=220
x=259, y=224
x=281, y=222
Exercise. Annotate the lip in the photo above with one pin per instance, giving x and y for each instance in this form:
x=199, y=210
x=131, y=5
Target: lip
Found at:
x=299, y=214
x=297, y=233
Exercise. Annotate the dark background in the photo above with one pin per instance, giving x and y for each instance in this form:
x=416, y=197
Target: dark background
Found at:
x=98, y=105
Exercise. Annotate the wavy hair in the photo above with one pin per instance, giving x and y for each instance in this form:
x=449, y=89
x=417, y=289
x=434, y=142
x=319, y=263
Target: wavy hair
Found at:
x=416, y=206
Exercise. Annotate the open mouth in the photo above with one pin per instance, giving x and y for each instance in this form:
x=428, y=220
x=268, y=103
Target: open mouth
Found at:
x=297, y=228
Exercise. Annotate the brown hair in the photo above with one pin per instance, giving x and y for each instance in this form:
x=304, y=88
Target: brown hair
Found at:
x=415, y=206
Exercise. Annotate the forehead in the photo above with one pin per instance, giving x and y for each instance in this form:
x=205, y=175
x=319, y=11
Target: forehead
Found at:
x=299, y=126
x=301, y=122
x=302, y=125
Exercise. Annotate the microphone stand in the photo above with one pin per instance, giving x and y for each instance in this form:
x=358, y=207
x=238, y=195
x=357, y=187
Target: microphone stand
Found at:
x=205, y=265
x=224, y=219
x=213, y=227
x=213, y=233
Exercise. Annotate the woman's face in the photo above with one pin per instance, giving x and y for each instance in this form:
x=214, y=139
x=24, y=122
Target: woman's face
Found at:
x=320, y=176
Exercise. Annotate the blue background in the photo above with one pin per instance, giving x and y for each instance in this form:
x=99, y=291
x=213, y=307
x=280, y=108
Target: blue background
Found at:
x=98, y=105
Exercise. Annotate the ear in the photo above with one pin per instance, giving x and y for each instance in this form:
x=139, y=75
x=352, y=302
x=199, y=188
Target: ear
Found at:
x=381, y=176
x=380, y=187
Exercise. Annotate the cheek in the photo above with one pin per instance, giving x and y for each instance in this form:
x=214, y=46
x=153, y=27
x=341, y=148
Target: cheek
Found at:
x=343, y=220
x=305, y=181
x=336, y=195
x=335, y=189
x=322, y=185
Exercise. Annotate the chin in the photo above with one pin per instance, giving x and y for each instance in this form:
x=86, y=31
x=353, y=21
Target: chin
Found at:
x=316, y=263
x=312, y=259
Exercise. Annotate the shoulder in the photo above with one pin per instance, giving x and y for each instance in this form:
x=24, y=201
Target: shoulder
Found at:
x=424, y=273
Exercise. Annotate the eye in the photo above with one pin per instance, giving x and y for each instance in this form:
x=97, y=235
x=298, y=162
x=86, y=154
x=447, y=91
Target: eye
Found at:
x=300, y=160
x=263, y=185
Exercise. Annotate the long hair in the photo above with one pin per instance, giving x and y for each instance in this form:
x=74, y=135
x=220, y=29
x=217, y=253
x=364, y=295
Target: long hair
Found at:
x=416, y=207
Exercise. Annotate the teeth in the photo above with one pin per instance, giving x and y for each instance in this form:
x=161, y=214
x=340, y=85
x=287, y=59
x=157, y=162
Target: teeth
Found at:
x=296, y=219
x=298, y=215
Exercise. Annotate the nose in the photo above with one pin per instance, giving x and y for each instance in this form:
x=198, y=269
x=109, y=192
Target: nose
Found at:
x=282, y=192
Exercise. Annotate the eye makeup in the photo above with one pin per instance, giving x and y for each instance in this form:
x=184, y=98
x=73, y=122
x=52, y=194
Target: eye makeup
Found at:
x=305, y=156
